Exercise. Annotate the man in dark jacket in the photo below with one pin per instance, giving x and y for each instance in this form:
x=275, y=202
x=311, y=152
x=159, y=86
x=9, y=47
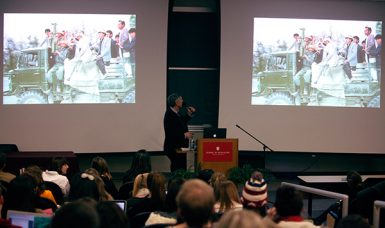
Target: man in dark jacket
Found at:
x=176, y=132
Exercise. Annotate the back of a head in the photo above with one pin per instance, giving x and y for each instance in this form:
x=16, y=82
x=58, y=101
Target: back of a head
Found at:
x=103, y=194
x=141, y=163
x=20, y=195
x=226, y=193
x=35, y=172
x=100, y=164
x=205, y=175
x=217, y=177
x=111, y=215
x=156, y=183
x=354, y=179
x=256, y=175
x=83, y=185
x=288, y=201
x=57, y=163
x=241, y=219
x=75, y=215
x=195, y=202
x=173, y=188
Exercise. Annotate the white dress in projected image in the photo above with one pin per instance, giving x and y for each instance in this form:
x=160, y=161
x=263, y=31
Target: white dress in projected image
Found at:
x=276, y=67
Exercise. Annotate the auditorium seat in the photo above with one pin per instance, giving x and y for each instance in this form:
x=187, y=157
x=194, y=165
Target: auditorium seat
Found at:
x=125, y=191
x=56, y=191
x=140, y=219
x=8, y=148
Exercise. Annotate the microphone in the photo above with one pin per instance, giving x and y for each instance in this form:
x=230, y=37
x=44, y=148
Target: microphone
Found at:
x=185, y=105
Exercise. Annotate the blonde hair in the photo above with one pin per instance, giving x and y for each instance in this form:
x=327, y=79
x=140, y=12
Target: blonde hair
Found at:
x=139, y=183
x=216, y=178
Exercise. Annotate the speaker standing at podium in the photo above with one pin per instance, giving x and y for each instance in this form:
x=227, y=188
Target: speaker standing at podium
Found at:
x=176, y=131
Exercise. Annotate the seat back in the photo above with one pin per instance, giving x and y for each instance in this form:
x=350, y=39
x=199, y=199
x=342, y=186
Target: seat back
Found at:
x=56, y=191
x=125, y=191
x=139, y=220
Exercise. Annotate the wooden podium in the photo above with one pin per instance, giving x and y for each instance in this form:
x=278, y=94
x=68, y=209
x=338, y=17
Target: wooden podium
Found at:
x=217, y=154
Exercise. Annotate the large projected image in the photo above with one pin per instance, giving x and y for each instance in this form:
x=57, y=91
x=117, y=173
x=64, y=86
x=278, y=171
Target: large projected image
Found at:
x=69, y=58
x=311, y=62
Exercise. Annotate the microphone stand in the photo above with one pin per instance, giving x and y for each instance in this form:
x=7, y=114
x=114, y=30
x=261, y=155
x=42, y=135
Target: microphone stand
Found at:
x=264, y=145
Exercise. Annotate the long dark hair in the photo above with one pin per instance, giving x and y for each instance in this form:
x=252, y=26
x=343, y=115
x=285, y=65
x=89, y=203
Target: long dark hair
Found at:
x=57, y=163
x=156, y=184
x=141, y=163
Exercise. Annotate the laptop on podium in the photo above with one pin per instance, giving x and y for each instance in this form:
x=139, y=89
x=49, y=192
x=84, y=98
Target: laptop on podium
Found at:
x=212, y=132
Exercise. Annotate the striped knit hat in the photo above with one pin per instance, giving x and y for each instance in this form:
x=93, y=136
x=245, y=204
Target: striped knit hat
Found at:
x=254, y=194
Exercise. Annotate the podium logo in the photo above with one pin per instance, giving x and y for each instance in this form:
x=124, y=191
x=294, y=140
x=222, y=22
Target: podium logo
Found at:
x=217, y=151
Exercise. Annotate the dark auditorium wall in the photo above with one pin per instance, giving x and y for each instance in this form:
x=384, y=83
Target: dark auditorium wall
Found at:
x=193, y=50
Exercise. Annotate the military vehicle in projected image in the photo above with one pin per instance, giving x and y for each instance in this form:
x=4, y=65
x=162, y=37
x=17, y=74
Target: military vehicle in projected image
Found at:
x=83, y=81
x=275, y=85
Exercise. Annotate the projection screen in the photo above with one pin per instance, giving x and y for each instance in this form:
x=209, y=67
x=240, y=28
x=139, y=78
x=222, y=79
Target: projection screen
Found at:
x=261, y=92
x=96, y=103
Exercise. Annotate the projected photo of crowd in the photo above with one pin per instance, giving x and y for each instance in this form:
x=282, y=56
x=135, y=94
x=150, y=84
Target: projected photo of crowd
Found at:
x=311, y=62
x=69, y=58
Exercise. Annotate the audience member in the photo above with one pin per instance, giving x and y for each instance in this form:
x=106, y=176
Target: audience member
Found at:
x=365, y=199
x=156, y=183
x=195, y=202
x=155, y=201
x=54, y=176
x=83, y=185
x=111, y=215
x=169, y=216
x=4, y=176
x=243, y=219
x=100, y=164
x=140, y=188
x=288, y=207
x=60, y=165
x=21, y=195
x=226, y=196
x=35, y=172
x=77, y=214
x=173, y=188
x=5, y=223
x=217, y=177
x=140, y=193
x=205, y=175
x=354, y=185
x=103, y=194
x=254, y=193
x=141, y=163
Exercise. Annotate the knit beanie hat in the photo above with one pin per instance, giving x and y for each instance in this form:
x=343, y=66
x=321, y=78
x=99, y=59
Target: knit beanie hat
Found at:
x=254, y=194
